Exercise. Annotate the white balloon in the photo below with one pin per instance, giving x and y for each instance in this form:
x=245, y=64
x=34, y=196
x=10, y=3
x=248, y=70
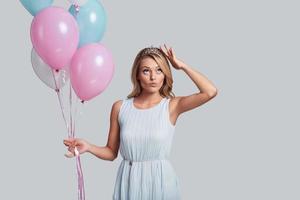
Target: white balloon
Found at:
x=78, y=2
x=45, y=73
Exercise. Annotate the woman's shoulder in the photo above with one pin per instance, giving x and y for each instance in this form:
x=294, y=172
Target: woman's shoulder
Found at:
x=115, y=109
x=118, y=103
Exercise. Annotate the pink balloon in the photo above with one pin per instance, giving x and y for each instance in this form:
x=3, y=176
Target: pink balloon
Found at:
x=55, y=35
x=91, y=70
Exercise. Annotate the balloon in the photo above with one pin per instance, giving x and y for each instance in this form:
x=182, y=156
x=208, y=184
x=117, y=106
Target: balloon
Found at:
x=55, y=36
x=91, y=70
x=35, y=6
x=78, y=2
x=91, y=19
x=45, y=73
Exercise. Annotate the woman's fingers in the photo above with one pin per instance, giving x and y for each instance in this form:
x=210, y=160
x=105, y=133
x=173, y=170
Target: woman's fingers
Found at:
x=168, y=50
x=172, y=51
x=66, y=142
x=69, y=155
x=67, y=145
x=72, y=150
x=70, y=142
x=164, y=51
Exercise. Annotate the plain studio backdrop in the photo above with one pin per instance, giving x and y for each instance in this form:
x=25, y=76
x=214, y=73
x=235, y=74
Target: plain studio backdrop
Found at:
x=242, y=145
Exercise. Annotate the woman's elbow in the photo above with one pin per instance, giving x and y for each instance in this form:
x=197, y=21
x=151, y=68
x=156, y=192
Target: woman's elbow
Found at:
x=213, y=93
x=113, y=157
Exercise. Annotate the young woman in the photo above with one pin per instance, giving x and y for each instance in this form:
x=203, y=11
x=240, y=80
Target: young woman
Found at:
x=143, y=125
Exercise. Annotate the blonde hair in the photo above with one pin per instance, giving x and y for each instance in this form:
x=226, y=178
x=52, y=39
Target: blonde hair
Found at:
x=157, y=55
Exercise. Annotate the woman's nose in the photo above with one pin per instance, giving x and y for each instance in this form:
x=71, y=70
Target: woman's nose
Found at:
x=152, y=76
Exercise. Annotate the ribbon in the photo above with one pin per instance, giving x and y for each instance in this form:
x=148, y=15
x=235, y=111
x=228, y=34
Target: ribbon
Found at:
x=71, y=131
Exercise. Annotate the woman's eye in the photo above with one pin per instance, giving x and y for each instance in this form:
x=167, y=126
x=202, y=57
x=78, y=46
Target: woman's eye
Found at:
x=147, y=70
x=159, y=70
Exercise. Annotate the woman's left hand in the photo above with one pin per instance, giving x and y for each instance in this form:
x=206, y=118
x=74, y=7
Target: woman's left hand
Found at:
x=169, y=53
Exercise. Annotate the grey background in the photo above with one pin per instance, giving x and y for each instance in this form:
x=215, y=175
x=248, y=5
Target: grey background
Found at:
x=244, y=144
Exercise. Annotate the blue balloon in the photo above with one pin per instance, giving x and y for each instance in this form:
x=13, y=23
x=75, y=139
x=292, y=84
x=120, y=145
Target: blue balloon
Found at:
x=91, y=19
x=35, y=6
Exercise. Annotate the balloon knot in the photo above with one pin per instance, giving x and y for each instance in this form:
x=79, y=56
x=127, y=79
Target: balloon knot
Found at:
x=82, y=101
x=57, y=70
x=77, y=7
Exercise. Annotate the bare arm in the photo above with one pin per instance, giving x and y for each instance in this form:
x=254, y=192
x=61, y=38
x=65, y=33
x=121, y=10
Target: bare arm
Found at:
x=110, y=151
x=104, y=153
x=207, y=91
x=206, y=88
x=204, y=85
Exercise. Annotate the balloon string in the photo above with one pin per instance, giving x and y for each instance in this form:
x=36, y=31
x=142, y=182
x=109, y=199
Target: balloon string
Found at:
x=60, y=100
x=75, y=114
x=71, y=120
x=81, y=192
x=71, y=133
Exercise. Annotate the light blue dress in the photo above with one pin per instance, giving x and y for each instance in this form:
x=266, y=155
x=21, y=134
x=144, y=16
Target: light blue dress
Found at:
x=145, y=172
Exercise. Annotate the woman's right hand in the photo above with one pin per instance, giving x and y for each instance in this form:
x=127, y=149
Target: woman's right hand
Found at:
x=81, y=145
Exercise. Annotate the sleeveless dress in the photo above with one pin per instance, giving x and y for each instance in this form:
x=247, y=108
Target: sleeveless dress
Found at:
x=145, y=172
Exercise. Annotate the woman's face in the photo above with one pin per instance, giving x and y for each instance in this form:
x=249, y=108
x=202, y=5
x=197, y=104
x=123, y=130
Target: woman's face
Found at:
x=150, y=75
